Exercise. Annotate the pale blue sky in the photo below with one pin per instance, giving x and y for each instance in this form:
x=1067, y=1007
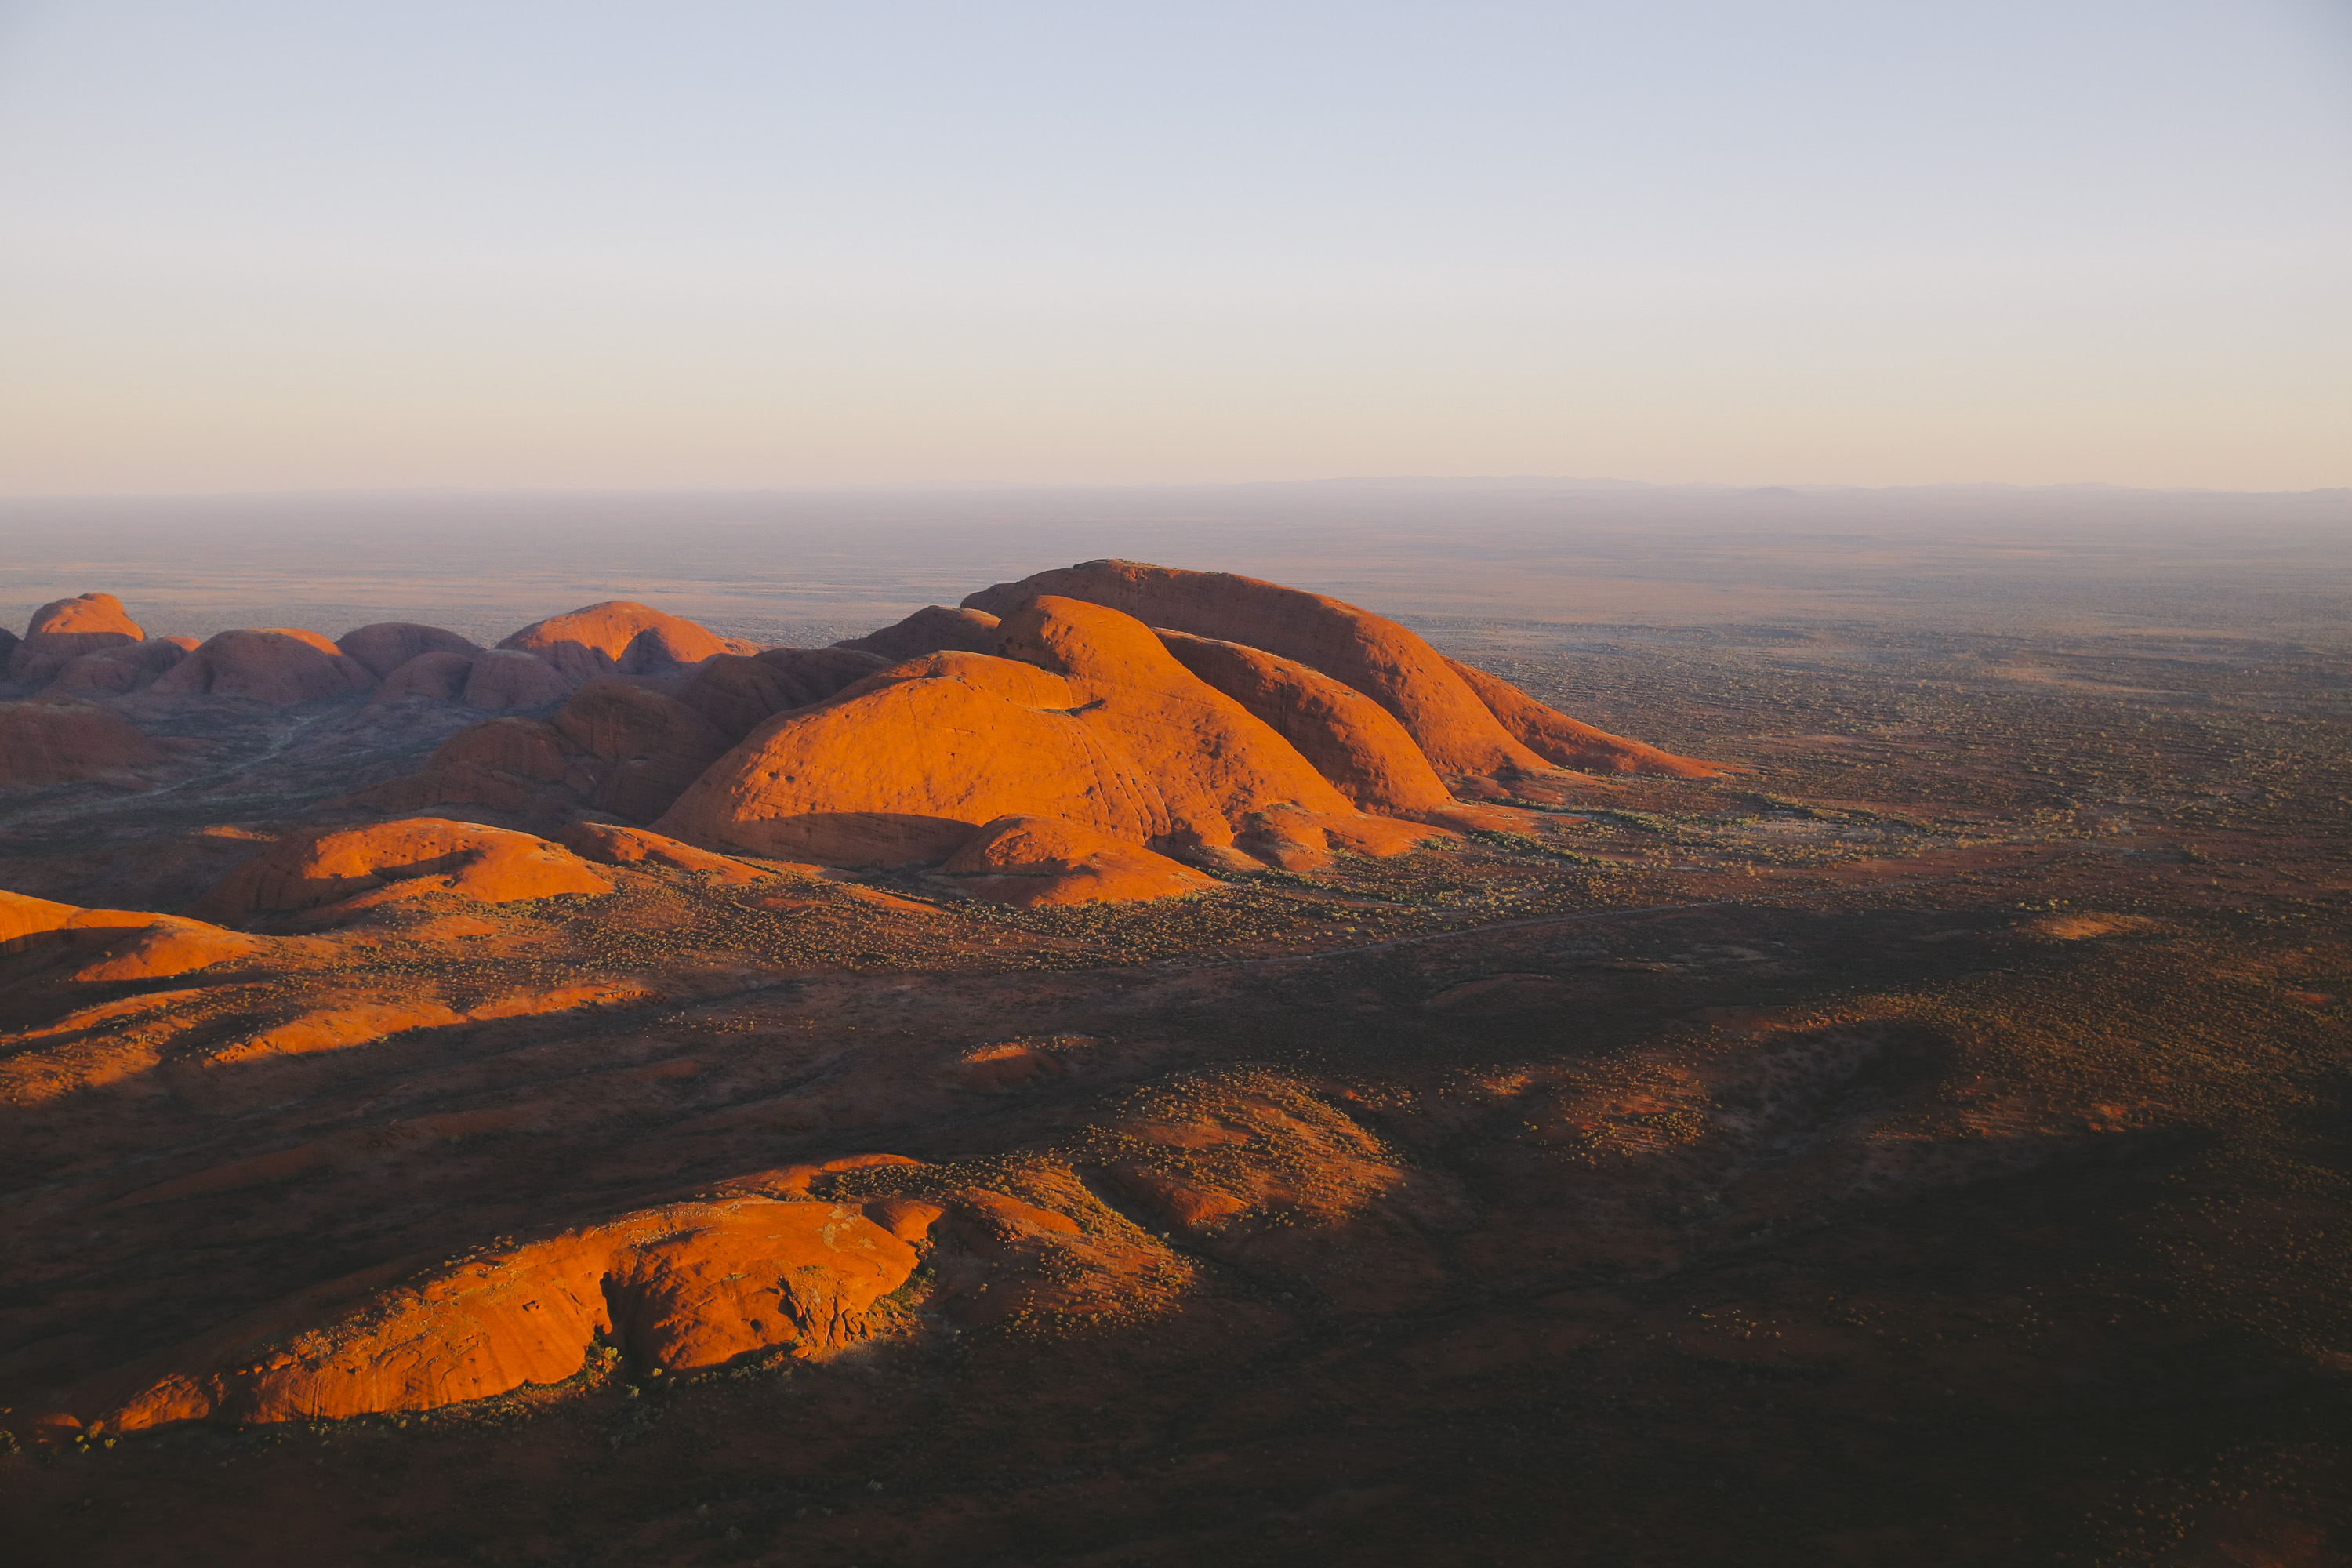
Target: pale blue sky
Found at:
x=265, y=245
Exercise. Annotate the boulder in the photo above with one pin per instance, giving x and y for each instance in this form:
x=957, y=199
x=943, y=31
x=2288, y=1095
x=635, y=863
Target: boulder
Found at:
x=618, y=638
x=1556, y=738
x=505, y=678
x=932, y=629
x=653, y=745
x=273, y=664
x=1351, y=741
x=1369, y=653
x=111, y=671
x=403, y=859
x=387, y=644
x=907, y=763
x=441, y=674
x=64, y=629
x=1031, y=862
x=47, y=742
x=738, y=692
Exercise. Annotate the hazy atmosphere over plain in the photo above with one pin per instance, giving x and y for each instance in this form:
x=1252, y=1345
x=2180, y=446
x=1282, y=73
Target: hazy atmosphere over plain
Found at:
x=259, y=246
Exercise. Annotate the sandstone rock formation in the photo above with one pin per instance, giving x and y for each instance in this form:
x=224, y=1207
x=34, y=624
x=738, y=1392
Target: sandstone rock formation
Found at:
x=1213, y=763
x=1367, y=652
x=506, y=678
x=118, y=944
x=906, y=765
x=616, y=846
x=1087, y=720
x=1557, y=737
x=619, y=637
x=48, y=741
x=440, y=674
x=932, y=629
x=277, y=665
x=385, y=646
x=677, y=1289
x=356, y=868
x=126, y=668
x=64, y=629
x=1031, y=862
x=1351, y=740
x=737, y=693
x=653, y=745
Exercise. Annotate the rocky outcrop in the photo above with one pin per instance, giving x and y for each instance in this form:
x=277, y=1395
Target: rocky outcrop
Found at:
x=652, y=745
x=907, y=764
x=1212, y=762
x=1351, y=740
x=679, y=1289
x=1087, y=720
x=387, y=644
x=935, y=628
x=64, y=629
x=358, y=868
x=1032, y=862
x=112, y=671
x=441, y=676
x=1366, y=652
x=1556, y=738
x=108, y=945
x=612, y=844
x=619, y=637
x=737, y=693
x=277, y=665
x=1429, y=694
x=503, y=679
x=48, y=741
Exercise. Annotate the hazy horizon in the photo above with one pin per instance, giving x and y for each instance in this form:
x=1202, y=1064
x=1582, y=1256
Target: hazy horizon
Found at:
x=816, y=564
x=265, y=246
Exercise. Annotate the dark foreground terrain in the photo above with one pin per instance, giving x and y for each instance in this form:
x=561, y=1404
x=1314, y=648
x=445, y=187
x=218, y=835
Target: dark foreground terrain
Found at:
x=1934, y=1145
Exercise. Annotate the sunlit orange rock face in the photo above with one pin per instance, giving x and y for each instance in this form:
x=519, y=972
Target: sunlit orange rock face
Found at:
x=906, y=765
x=108, y=945
x=64, y=629
x=1454, y=727
x=1083, y=718
x=620, y=637
x=279, y=665
x=679, y=1289
x=1351, y=740
x=397, y=859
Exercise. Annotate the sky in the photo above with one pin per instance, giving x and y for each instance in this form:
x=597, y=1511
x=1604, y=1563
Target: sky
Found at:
x=249, y=245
